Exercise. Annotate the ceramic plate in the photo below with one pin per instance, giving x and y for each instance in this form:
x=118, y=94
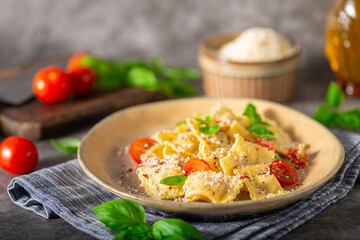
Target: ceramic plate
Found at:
x=103, y=153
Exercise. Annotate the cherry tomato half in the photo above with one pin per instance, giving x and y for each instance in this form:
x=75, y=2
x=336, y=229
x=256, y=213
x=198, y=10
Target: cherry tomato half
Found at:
x=51, y=85
x=196, y=164
x=139, y=147
x=74, y=62
x=265, y=143
x=83, y=80
x=297, y=156
x=284, y=172
x=18, y=155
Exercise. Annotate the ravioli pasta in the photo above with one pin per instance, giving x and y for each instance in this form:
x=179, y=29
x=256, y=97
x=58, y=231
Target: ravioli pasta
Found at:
x=239, y=167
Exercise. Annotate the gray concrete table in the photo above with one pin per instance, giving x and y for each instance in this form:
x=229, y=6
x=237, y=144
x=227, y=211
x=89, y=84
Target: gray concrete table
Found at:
x=339, y=221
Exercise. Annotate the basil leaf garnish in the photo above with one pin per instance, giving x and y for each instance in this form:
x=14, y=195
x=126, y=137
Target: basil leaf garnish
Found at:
x=257, y=126
x=210, y=130
x=260, y=129
x=174, y=180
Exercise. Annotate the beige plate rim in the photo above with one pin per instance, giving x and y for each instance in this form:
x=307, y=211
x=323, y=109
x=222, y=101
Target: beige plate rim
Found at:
x=202, y=208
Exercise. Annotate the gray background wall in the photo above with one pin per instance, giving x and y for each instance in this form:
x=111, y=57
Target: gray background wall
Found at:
x=33, y=29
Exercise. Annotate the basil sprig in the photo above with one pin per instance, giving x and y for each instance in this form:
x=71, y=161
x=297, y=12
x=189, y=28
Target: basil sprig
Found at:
x=207, y=129
x=152, y=75
x=330, y=115
x=257, y=126
x=128, y=219
x=174, y=180
x=68, y=145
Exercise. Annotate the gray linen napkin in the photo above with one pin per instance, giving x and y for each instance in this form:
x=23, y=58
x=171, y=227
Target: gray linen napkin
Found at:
x=66, y=191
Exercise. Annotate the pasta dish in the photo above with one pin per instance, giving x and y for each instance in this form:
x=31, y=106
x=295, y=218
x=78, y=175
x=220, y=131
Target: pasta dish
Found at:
x=219, y=158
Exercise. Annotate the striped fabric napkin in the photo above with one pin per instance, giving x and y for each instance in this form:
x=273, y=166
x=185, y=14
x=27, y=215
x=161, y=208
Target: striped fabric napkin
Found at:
x=66, y=191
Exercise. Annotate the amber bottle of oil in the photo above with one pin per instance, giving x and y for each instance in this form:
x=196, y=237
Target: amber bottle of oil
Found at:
x=343, y=44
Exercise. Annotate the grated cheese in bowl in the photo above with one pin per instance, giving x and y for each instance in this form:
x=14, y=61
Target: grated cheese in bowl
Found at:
x=257, y=45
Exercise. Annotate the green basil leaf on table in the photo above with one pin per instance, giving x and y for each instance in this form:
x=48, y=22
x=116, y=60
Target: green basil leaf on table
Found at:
x=334, y=95
x=191, y=73
x=347, y=120
x=330, y=116
x=355, y=111
x=143, y=232
x=68, y=145
x=324, y=116
x=141, y=77
x=183, y=90
x=174, y=180
x=164, y=87
x=108, y=76
x=128, y=219
x=178, y=73
x=120, y=214
x=210, y=130
x=153, y=76
x=168, y=229
x=124, y=65
x=157, y=64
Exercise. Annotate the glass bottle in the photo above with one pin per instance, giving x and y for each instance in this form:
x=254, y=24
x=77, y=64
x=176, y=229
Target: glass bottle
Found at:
x=343, y=44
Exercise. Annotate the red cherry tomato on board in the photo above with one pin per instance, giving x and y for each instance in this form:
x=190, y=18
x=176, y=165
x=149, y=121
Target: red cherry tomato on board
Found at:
x=265, y=143
x=83, y=80
x=196, y=164
x=139, y=147
x=51, y=85
x=297, y=156
x=18, y=155
x=284, y=172
x=74, y=62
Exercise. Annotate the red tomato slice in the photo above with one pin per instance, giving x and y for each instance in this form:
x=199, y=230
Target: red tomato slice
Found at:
x=139, y=147
x=196, y=164
x=265, y=143
x=284, y=172
x=297, y=156
x=75, y=62
x=243, y=177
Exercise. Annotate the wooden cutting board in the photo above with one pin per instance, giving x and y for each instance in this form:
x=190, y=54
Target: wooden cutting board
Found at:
x=22, y=115
x=36, y=120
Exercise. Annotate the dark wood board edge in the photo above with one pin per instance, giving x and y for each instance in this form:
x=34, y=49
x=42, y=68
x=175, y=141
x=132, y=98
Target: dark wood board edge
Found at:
x=36, y=120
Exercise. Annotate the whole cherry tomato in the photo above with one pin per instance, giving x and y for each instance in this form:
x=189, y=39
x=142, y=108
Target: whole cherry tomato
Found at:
x=284, y=172
x=74, y=62
x=196, y=164
x=18, y=155
x=139, y=147
x=83, y=80
x=265, y=143
x=297, y=156
x=51, y=85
